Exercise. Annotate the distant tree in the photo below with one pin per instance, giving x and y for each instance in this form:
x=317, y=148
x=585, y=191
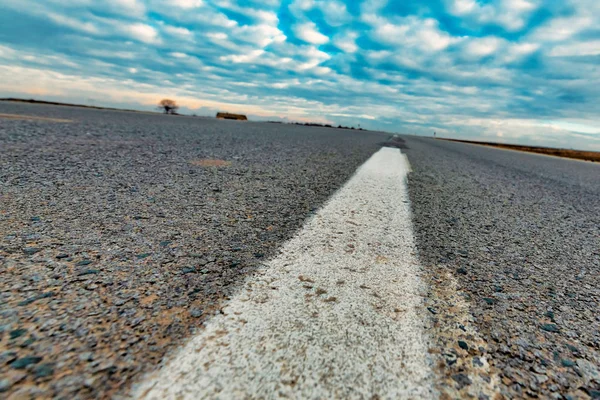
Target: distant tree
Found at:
x=168, y=106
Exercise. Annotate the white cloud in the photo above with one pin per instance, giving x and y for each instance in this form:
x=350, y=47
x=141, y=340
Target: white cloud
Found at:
x=217, y=35
x=483, y=47
x=559, y=29
x=261, y=35
x=511, y=14
x=244, y=58
x=308, y=32
x=183, y=33
x=335, y=12
x=186, y=4
x=74, y=23
x=517, y=51
x=130, y=7
x=423, y=34
x=346, y=41
x=299, y=7
x=142, y=32
x=591, y=48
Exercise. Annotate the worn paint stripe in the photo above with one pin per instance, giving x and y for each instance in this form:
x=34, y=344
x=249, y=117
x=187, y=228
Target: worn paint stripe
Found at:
x=338, y=314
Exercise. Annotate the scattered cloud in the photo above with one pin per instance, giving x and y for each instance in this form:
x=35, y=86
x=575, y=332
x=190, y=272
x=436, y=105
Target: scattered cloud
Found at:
x=520, y=71
x=308, y=32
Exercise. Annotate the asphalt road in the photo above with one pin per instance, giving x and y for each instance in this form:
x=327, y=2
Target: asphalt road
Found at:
x=520, y=235
x=119, y=238
x=123, y=234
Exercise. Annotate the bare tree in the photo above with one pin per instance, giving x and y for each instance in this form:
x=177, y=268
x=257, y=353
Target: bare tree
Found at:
x=168, y=106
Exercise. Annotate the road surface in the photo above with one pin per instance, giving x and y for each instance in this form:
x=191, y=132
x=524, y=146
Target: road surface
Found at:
x=128, y=239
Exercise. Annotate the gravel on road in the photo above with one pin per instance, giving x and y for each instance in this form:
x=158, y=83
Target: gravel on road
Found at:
x=121, y=233
x=519, y=236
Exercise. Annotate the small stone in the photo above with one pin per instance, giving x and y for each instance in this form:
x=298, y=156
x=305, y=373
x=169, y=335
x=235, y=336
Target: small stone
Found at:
x=35, y=219
x=432, y=310
x=88, y=272
x=259, y=255
x=61, y=256
x=120, y=302
x=196, y=312
x=27, y=342
x=7, y=357
x=188, y=270
x=567, y=363
x=463, y=345
x=451, y=358
x=35, y=298
x=489, y=301
x=142, y=256
x=44, y=370
x=17, y=333
x=234, y=263
x=87, y=356
x=83, y=263
x=462, y=380
x=165, y=243
x=31, y=250
x=24, y=362
x=550, y=328
x=137, y=321
x=462, y=271
x=5, y=384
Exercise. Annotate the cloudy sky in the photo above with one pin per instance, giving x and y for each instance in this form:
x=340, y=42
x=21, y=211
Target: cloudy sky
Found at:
x=524, y=71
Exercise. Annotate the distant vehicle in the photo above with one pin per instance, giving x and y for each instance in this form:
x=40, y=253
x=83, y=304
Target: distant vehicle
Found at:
x=225, y=115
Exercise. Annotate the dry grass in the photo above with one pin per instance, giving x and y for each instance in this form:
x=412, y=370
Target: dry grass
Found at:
x=567, y=153
x=32, y=118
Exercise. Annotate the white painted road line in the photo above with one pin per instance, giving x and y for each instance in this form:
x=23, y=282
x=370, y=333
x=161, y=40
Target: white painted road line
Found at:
x=336, y=315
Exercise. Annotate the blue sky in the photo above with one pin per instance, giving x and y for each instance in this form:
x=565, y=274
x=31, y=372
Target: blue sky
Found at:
x=522, y=71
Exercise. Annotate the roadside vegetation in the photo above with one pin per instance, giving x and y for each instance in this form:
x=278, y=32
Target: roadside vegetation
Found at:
x=567, y=153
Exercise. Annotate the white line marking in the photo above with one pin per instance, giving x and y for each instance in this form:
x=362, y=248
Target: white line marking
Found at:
x=336, y=315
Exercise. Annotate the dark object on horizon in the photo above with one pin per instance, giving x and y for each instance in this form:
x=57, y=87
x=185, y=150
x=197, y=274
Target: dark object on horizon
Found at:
x=168, y=106
x=226, y=115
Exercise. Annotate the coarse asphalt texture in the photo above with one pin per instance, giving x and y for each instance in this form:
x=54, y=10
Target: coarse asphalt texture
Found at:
x=520, y=235
x=121, y=233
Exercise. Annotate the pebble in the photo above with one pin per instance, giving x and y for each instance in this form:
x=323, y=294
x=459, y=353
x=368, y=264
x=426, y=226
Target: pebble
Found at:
x=88, y=272
x=35, y=298
x=196, y=312
x=31, y=250
x=567, y=363
x=5, y=384
x=462, y=380
x=550, y=328
x=24, y=362
x=43, y=370
x=17, y=333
